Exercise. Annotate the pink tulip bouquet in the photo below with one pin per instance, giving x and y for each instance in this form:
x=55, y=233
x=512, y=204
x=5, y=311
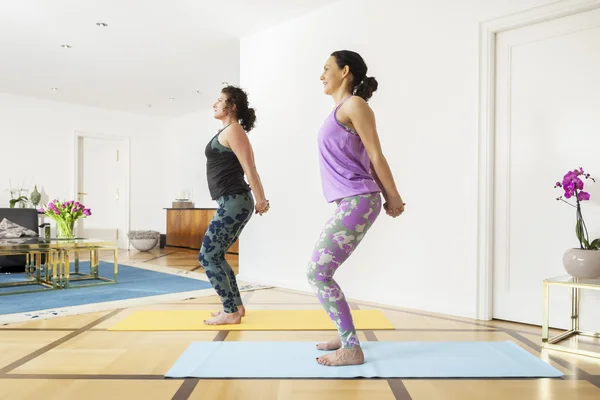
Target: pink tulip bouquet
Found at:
x=65, y=214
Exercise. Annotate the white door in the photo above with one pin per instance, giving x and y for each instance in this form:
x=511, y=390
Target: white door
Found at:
x=547, y=122
x=102, y=181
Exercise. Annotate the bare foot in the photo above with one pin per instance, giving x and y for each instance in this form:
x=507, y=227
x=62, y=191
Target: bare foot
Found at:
x=333, y=344
x=224, y=319
x=241, y=311
x=353, y=356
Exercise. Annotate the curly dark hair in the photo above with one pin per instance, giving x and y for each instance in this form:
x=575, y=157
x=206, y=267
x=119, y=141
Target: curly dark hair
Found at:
x=244, y=113
x=362, y=85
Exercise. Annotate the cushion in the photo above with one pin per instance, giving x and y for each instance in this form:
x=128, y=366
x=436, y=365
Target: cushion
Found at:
x=9, y=230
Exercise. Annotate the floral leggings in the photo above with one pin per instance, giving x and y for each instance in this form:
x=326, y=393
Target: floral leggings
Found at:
x=339, y=238
x=231, y=217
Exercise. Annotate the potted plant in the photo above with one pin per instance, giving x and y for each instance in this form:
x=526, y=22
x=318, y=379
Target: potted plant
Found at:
x=582, y=262
x=17, y=196
x=65, y=214
x=21, y=200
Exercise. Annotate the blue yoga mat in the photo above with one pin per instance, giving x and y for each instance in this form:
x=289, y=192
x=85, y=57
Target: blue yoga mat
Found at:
x=382, y=360
x=132, y=283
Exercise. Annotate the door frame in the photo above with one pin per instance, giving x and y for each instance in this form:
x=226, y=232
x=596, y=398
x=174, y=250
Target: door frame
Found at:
x=486, y=134
x=126, y=141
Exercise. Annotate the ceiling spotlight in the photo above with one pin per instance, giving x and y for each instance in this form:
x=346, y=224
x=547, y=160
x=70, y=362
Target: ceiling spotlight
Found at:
x=225, y=83
x=54, y=89
x=65, y=46
x=197, y=92
x=148, y=105
x=102, y=24
x=171, y=98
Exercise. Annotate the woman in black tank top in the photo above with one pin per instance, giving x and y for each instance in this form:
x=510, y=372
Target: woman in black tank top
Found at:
x=229, y=157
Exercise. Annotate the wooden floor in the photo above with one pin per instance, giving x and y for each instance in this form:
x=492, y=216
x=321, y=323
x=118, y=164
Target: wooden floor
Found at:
x=76, y=358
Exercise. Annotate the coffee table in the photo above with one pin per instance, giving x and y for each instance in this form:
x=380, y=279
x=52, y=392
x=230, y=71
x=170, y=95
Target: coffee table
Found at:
x=58, y=253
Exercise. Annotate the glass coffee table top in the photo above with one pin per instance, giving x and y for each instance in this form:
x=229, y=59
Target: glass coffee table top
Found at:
x=568, y=280
x=39, y=243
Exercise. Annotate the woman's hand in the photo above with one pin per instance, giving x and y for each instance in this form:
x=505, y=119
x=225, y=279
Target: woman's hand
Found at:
x=262, y=207
x=394, y=206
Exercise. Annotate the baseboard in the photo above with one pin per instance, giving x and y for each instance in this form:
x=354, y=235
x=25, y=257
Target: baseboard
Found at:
x=171, y=247
x=278, y=283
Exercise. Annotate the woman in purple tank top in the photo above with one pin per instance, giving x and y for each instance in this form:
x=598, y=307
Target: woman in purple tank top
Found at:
x=354, y=175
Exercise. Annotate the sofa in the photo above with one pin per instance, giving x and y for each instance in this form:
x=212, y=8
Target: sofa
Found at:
x=26, y=217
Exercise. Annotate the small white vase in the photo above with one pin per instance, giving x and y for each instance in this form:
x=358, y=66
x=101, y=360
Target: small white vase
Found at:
x=584, y=264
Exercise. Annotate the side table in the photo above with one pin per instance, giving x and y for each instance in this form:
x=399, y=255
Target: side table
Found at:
x=576, y=285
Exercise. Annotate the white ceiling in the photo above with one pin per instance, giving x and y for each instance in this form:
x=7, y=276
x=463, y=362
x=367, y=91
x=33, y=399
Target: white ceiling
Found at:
x=151, y=50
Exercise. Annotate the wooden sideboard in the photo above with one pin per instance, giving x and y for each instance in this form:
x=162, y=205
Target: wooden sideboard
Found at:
x=186, y=227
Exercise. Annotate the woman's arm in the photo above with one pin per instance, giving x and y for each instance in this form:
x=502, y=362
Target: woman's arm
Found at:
x=237, y=140
x=363, y=119
x=378, y=181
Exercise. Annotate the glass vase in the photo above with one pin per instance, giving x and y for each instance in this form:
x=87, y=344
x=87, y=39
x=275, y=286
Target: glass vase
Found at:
x=64, y=230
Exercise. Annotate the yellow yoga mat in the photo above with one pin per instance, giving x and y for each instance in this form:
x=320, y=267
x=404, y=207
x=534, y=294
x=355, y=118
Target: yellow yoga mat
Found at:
x=255, y=320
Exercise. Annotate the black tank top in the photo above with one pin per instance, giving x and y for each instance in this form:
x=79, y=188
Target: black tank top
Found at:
x=224, y=172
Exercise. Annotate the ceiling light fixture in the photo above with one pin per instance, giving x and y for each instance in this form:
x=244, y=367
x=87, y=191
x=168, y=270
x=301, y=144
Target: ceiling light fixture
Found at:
x=197, y=92
x=54, y=89
x=102, y=24
x=65, y=46
x=225, y=83
x=171, y=98
x=149, y=105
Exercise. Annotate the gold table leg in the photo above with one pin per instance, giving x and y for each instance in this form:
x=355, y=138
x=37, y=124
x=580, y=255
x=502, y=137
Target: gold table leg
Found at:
x=76, y=261
x=116, y=261
x=27, y=265
x=552, y=343
x=546, y=317
x=95, y=263
x=67, y=265
x=38, y=266
x=575, y=298
x=55, y=256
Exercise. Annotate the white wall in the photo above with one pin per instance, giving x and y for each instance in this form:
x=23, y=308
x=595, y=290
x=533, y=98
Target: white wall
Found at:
x=187, y=137
x=425, y=57
x=37, y=147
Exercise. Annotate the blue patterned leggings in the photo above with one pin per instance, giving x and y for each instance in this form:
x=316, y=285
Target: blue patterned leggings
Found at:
x=231, y=217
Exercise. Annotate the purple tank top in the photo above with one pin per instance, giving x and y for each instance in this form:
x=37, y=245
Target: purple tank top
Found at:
x=344, y=162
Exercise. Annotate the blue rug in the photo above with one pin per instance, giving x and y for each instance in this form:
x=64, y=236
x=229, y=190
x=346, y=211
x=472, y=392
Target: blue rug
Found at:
x=382, y=360
x=132, y=283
